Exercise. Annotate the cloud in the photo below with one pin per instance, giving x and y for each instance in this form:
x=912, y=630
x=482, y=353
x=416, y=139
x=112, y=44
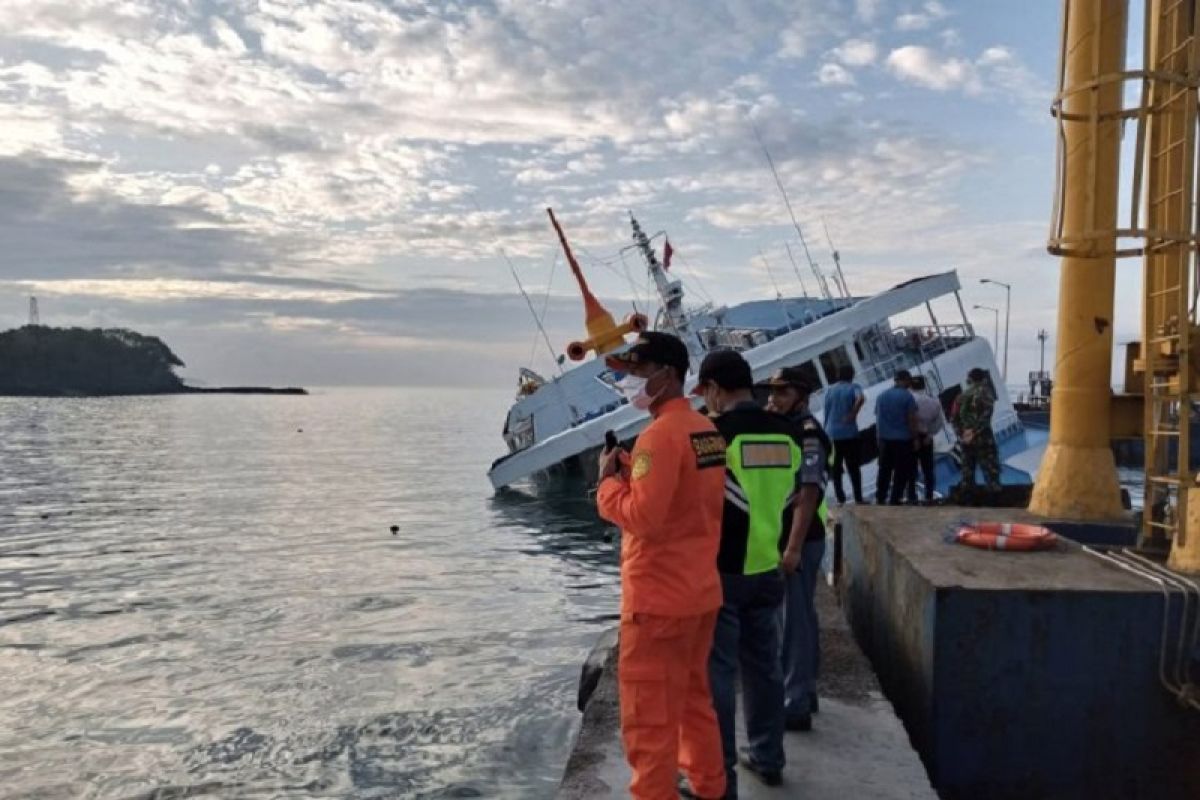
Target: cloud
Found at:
x=1003, y=70
x=793, y=43
x=285, y=333
x=142, y=290
x=924, y=67
x=798, y=36
x=868, y=10
x=996, y=71
x=834, y=75
x=856, y=52
x=271, y=161
x=930, y=13
x=950, y=37
x=52, y=225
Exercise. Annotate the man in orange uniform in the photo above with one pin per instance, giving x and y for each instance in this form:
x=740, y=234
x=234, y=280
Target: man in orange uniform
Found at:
x=667, y=499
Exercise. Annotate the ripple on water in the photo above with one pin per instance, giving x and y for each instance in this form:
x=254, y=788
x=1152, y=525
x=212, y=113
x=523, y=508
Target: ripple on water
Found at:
x=196, y=601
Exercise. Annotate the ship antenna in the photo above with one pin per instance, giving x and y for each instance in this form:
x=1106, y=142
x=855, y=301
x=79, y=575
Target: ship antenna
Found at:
x=787, y=318
x=796, y=269
x=520, y=286
x=536, y=319
x=787, y=202
x=837, y=260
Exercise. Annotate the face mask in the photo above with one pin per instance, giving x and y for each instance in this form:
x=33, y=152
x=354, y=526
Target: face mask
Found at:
x=633, y=389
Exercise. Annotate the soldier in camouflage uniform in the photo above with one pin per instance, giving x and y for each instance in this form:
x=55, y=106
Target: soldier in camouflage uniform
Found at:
x=973, y=423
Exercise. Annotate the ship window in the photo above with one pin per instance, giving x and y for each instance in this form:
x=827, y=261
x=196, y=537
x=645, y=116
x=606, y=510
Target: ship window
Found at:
x=834, y=360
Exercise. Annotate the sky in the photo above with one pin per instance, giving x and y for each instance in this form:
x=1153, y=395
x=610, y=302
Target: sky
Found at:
x=328, y=192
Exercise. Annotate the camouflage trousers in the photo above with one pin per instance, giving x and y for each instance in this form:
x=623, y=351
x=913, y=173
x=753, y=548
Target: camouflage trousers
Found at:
x=982, y=452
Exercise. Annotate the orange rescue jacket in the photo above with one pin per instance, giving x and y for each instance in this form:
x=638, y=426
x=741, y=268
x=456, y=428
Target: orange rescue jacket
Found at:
x=669, y=511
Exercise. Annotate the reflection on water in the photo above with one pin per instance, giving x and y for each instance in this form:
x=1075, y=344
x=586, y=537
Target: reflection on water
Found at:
x=200, y=597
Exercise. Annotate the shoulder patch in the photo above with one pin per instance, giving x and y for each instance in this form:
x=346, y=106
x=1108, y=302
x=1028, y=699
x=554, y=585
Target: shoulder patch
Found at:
x=709, y=448
x=641, y=466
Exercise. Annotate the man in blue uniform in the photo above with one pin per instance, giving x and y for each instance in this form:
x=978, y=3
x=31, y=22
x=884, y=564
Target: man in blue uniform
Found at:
x=801, y=651
x=843, y=401
x=895, y=426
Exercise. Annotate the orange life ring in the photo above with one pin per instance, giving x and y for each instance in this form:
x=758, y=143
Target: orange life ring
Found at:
x=1006, y=536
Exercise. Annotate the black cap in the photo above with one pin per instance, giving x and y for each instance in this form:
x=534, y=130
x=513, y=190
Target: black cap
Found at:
x=789, y=376
x=654, y=347
x=725, y=368
x=977, y=374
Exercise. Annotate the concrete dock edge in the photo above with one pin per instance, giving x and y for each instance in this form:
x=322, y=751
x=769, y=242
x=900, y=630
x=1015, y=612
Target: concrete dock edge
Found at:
x=858, y=747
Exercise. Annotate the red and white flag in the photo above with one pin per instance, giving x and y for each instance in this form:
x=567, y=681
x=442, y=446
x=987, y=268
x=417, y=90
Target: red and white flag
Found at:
x=668, y=251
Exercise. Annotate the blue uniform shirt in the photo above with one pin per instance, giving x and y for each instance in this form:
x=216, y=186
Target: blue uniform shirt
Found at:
x=839, y=402
x=891, y=414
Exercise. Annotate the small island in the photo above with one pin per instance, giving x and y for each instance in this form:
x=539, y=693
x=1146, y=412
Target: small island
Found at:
x=41, y=361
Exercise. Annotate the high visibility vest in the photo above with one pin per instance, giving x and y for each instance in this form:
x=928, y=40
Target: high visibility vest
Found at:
x=761, y=482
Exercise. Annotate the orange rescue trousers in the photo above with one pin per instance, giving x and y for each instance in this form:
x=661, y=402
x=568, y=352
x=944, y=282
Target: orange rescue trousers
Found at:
x=667, y=720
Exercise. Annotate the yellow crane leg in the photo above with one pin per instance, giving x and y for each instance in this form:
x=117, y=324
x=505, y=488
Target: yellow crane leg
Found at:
x=1078, y=476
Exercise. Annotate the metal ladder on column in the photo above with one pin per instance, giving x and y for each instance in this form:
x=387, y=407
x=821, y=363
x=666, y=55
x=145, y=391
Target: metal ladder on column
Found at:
x=1167, y=137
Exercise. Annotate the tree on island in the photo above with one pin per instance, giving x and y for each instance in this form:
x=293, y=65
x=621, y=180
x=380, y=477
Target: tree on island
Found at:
x=40, y=360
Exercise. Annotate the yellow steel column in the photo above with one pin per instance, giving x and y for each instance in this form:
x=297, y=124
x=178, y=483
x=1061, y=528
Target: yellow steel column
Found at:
x=1078, y=477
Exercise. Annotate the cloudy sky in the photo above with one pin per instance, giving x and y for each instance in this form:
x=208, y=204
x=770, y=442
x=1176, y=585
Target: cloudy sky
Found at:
x=317, y=191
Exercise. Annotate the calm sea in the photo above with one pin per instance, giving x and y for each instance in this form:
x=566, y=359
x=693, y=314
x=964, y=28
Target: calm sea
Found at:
x=201, y=597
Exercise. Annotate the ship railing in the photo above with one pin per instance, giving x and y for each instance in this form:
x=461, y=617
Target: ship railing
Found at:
x=733, y=338
x=908, y=347
x=883, y=369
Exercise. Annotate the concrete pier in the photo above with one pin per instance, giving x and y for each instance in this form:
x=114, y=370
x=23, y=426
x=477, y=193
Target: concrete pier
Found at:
x=858, y=748
x=1018, y=675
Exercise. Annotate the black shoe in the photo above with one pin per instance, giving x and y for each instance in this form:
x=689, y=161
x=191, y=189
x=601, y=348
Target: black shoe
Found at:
x=684, y=786
x=800, y=722
x=769, y=777
x=814, y=704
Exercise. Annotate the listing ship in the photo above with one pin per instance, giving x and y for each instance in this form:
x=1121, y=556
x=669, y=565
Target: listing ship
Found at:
x=557, y=426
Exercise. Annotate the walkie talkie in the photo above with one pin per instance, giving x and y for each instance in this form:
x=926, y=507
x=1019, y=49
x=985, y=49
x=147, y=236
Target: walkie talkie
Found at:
x=610, y=444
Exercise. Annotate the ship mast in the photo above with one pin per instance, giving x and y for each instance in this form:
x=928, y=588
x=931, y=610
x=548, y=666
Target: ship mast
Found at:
x=670, y=293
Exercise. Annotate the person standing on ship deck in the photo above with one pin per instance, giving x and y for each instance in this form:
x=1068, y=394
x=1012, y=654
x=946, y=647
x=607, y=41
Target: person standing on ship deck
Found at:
x=667, y=499
x=801, y=646
x=764, y=459
x=895, y=424
x=843, y=401
x=930, y=422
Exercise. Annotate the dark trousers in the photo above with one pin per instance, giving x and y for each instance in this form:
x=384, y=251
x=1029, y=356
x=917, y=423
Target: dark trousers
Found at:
x=925, y=462
x=847, y=455
x=747, y=637
x=802, y=632
x=984, y=453
x=897, y=462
